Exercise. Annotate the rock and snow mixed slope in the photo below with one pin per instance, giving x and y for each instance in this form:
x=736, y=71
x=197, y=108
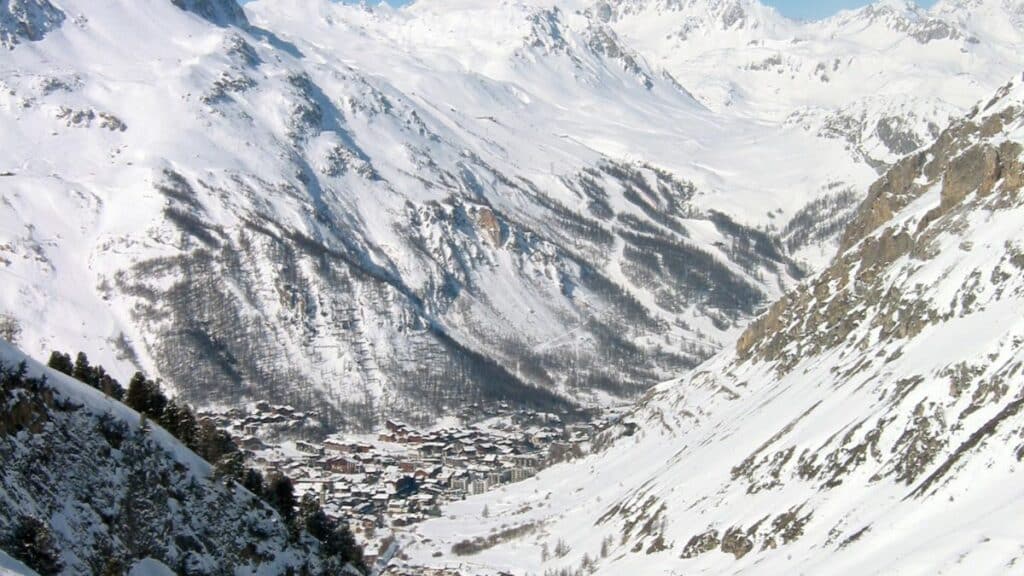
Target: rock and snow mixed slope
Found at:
x=366, y=210
x=111, y=492
x=869, y=423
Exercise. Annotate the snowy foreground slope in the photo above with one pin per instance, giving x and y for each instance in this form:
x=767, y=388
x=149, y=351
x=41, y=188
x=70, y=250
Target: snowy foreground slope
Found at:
x=110, y=491
x=367, y=211
x=869, y=423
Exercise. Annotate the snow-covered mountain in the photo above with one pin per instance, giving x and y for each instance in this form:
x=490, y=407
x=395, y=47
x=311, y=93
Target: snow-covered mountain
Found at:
x=89, y=487
x=884, y=78
x=361, y=210
x=869, y=423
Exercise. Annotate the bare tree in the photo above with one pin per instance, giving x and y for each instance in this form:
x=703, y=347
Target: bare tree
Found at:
x=10, y=328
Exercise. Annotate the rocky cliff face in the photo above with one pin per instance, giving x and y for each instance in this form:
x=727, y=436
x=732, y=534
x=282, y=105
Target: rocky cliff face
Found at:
x=870, y=421
x=973, y=157
x=22, y=20
x=219, y=12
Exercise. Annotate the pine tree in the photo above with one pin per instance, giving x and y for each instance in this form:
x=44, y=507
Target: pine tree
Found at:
x=33, y=544
x=171, y=420
x=83, y=371
x=61, y=363
x=179, y=420
x=138, y=393
x=342, y=545
x=281, y=495
x=230, y=466
x=188, y=427
x=146, y=397
x=313, y=519
x=157, y=399
x=253, y=482
x=106, y=384
x=212, y=443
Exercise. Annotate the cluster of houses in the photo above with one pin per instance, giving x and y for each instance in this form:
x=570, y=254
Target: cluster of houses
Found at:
x=260, y=421
x=404, y=475
x=419, y=571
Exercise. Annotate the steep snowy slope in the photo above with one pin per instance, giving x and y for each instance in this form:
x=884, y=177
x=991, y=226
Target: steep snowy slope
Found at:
x=869, y=423
x=374, y=211
x=110, y=492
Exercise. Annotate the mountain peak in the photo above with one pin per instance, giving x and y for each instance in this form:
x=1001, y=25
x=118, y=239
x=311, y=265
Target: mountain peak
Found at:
x=723, y=14
x=904, y=17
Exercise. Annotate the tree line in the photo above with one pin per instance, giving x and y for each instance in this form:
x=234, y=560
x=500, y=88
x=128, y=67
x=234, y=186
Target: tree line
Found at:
x=201, y=435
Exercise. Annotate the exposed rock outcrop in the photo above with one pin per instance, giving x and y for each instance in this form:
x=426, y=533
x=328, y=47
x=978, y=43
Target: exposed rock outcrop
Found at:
x=27, y=20
x=219, y=12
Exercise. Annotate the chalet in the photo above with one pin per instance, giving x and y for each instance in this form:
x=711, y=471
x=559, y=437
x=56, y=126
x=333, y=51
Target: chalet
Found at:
x=544, y=436
x=380, y=501
x=251, y=443
x=424, y=472
x=343, y=465
x=395, y=427
x=368, y=523
x=335, y=445
x=308, y=448
x=425, y=501
x=430, y=449
x=431, y=488
x=406, y=519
